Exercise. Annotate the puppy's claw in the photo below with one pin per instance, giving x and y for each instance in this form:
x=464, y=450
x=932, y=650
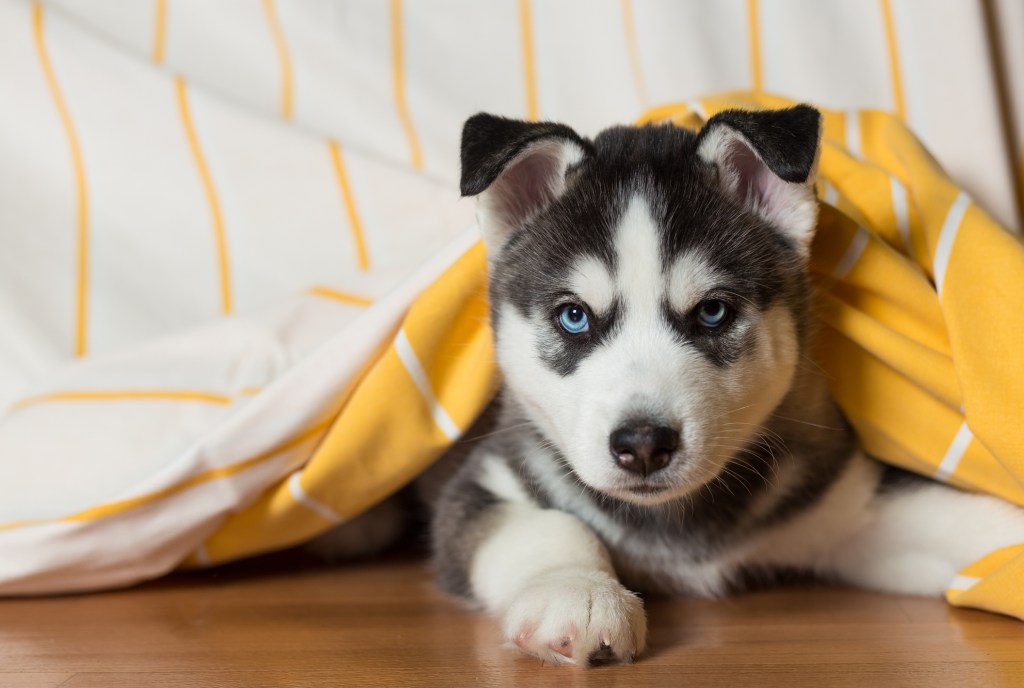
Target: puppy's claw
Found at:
x=523, y=637
x=563, y=647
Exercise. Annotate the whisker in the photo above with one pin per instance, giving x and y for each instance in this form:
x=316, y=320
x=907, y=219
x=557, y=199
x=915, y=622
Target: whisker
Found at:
x=510, y=428
x=805, y=422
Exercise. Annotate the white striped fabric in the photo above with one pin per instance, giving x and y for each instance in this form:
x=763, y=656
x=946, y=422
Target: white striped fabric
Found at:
x=955, y=453
x=302, y=497
x=947, y=238
x=419, y=376
x=853, y=253
x=899, y=204
x=963, y=582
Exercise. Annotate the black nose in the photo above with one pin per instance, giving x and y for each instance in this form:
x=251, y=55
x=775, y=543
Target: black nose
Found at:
x=642, y=448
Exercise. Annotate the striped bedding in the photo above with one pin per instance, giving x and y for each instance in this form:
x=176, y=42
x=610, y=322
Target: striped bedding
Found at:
x=241, y=302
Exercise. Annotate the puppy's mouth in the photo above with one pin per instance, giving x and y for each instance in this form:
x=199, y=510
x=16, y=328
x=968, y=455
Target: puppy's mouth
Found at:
x=647, y=490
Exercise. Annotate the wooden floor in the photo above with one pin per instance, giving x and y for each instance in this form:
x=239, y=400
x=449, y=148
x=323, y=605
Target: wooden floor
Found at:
x=283, y=624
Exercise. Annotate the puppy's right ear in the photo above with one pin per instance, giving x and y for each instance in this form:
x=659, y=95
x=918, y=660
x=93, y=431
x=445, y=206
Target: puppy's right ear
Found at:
x=517, y=169
x=766, y=161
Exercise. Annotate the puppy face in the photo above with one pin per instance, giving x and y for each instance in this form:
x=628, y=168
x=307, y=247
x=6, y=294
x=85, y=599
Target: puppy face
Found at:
x=648, y=310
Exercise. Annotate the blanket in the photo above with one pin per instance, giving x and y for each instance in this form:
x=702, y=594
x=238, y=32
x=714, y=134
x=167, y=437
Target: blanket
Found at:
x=247, y=395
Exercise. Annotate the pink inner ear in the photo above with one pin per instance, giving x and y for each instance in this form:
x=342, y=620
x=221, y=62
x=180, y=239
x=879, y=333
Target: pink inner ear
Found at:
x=791, y=208
x=753, y=182
x=524, y=189
x=529, y=184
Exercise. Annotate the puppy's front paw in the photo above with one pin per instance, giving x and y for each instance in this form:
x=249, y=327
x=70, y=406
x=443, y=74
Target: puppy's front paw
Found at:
x=577, y=617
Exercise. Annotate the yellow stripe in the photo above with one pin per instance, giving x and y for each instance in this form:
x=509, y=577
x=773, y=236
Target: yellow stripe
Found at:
x=283, y=55
x=398, y=64
x=344, y=297
x=894, y=58
x=529, y=68
x=120, y=507
x=350, y=206
x=211, y=197
x=634, y=52
x=82, y=298
x=160, y=32
x=123, y=395
x=753, y=17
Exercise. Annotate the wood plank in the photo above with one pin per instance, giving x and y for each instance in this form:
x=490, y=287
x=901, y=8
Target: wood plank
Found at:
x=32, y=680
x=282, y=622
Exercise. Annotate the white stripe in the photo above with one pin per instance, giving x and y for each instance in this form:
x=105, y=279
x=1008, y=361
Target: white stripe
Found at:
x=831, y=195
x=202, y=556
x=963, y=582
x=697, y=108
x=853, y=253
x=899, y=209
x=955, y=452
x=303, y=498
x=947, y=237
x=853, y=133
x=419, y=376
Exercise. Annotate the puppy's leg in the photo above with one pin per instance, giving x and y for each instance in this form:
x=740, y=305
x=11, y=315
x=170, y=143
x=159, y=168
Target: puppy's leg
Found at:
x=551, y=579
x=543, y=571
x=366, y=535
x=919, y=534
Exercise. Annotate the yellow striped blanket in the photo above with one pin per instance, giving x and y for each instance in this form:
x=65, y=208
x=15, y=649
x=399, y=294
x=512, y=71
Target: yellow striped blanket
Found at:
x=921, y=294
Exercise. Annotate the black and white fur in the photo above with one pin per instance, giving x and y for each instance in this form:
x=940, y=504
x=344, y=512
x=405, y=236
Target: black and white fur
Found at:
x=736, y=465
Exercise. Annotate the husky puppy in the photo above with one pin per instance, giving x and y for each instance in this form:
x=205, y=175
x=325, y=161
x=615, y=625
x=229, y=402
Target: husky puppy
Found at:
x=661, y=426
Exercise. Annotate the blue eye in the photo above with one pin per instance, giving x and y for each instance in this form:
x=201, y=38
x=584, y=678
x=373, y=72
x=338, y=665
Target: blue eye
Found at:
x=712, y=313
x=573, y=319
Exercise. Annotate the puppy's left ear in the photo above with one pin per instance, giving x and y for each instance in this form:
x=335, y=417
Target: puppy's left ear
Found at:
x=767, y=161
x=517, y=169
